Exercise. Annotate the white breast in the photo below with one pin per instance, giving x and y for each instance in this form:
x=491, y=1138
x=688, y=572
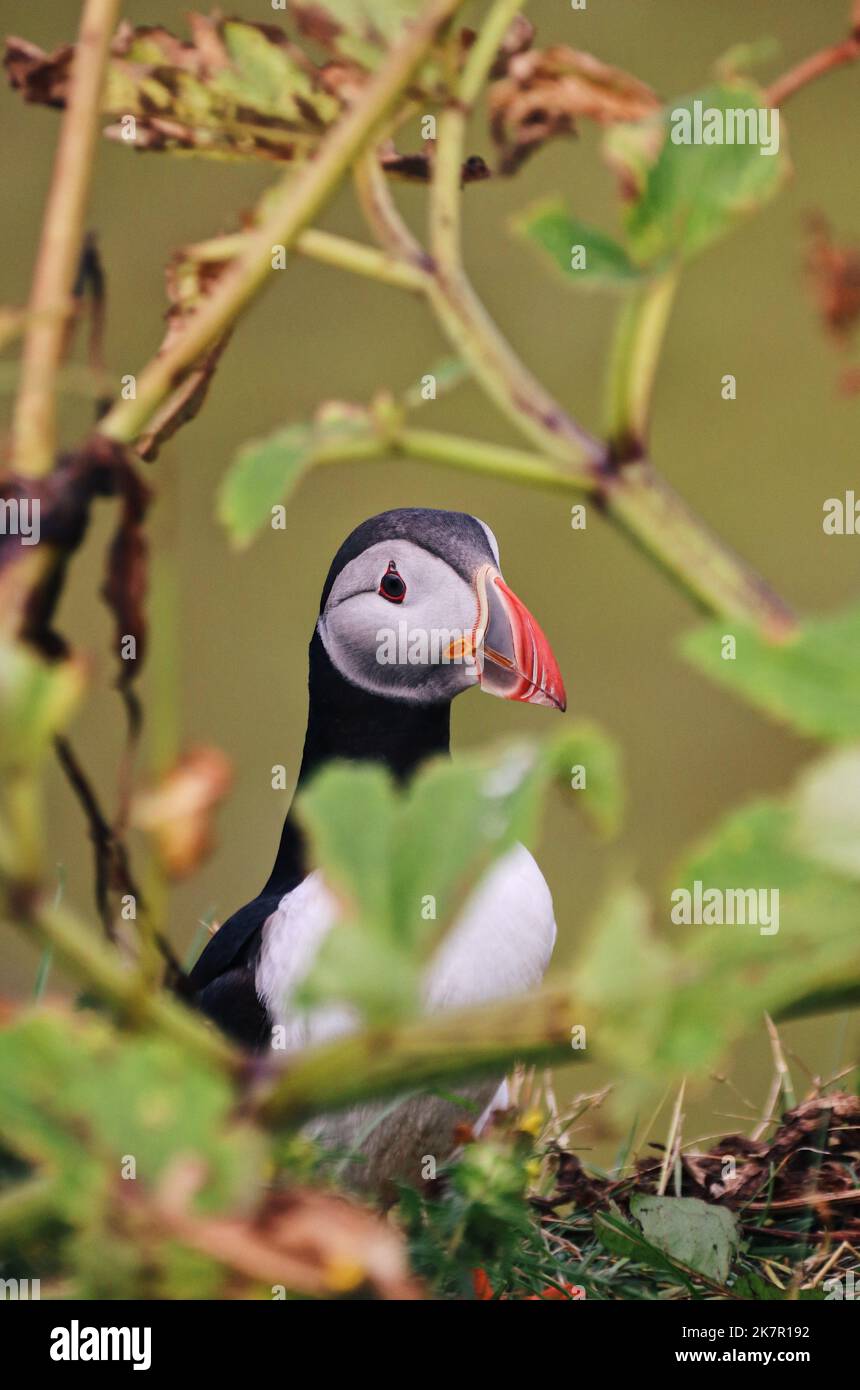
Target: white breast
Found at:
x=499, y=946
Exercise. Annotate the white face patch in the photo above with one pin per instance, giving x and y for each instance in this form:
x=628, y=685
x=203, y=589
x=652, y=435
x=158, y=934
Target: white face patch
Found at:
x=418, y=649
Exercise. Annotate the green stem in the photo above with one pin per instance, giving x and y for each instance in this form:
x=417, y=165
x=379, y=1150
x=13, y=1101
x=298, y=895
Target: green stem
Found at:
x=474, y=456
x=483, y=52
x=300, y=198
x=328, y=249
x=535, y=1028
x=633, y=364
x=650, y=512
x=26, y=1206
x=635, y=497
x=34, y=425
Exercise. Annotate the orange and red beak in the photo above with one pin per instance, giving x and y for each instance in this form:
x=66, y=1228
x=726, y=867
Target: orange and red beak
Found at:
x=514, y=658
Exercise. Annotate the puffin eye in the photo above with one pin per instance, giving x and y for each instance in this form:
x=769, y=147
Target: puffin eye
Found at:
x=391, y=585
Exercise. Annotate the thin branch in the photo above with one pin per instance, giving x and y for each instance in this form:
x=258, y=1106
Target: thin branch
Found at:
x=329, y=249
x=810, y=69
x=441, y=1048
x=34, y=425
x=535, y=1028
x=633, y=366
x=300, y=197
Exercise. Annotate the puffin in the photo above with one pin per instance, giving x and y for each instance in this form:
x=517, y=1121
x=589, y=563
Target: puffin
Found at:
x=412, y=572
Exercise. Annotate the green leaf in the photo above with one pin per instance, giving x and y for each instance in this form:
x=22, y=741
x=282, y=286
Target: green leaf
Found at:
x=81, y=1098
x=607, y=264
x=810, y=681
x=735, y=970
x=356, y=29
x=683, y=196
x=36, y=701
x=235, y=90
x=621, y=1238
x=626, y=973
x=350, y=812
x=263, y=474
x=403, y=862
x=701, y=1236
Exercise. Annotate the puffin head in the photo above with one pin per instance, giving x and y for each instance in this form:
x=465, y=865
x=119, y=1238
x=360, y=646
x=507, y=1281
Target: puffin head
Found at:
x=415, y=609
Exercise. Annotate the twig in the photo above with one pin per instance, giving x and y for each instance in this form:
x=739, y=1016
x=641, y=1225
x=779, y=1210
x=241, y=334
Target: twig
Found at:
x=329, y=249
x=810, y=69
x=300, y=197
x=111, y=858
x=633, y=365
x=34, y=425
x=535, y=1028
x=673, y=1142
x=780, y=1064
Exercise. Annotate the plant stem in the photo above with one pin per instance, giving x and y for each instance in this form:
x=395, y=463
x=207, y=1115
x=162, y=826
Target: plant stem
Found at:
x=441, y=1048
x=483, y=52
x=643, y=505
x=535, y=1028
x=633, y=364
x=300, y=198
x=26, y=1205
x=817, y=65
x=34, y=424
x=328, y=249
x=475, y=456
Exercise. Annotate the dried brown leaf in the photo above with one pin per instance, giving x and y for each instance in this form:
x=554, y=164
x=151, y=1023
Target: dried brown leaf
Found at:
x=179, y=812
x=833, y=273
x=545, y=92
x=310, y=1242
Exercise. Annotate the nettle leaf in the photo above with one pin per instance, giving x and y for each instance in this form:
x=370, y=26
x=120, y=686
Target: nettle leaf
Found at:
x=544, y=92
x=360, y=30
x=235, y=90
x=625, y=972
x=789, y=924
x=587, y=257
x=683, y=196
x=79, y=1097
x=36, y=702
x=810, y=681
x=622, y=1238
x=701, y=1236
x=404, y=862
x=762, y=913
x=263, y=474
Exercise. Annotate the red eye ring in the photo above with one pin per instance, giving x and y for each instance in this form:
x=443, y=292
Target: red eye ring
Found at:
x=392, y=586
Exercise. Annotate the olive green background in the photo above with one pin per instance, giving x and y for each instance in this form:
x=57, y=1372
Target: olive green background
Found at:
x=759, y=468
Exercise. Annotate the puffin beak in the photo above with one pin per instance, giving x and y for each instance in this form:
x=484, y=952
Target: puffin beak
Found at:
x=513, y=657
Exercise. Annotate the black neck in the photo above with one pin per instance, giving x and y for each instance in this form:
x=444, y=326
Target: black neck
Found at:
x=347, y=722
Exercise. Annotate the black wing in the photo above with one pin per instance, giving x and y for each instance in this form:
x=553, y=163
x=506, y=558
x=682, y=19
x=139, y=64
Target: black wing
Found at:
x=222, y=983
